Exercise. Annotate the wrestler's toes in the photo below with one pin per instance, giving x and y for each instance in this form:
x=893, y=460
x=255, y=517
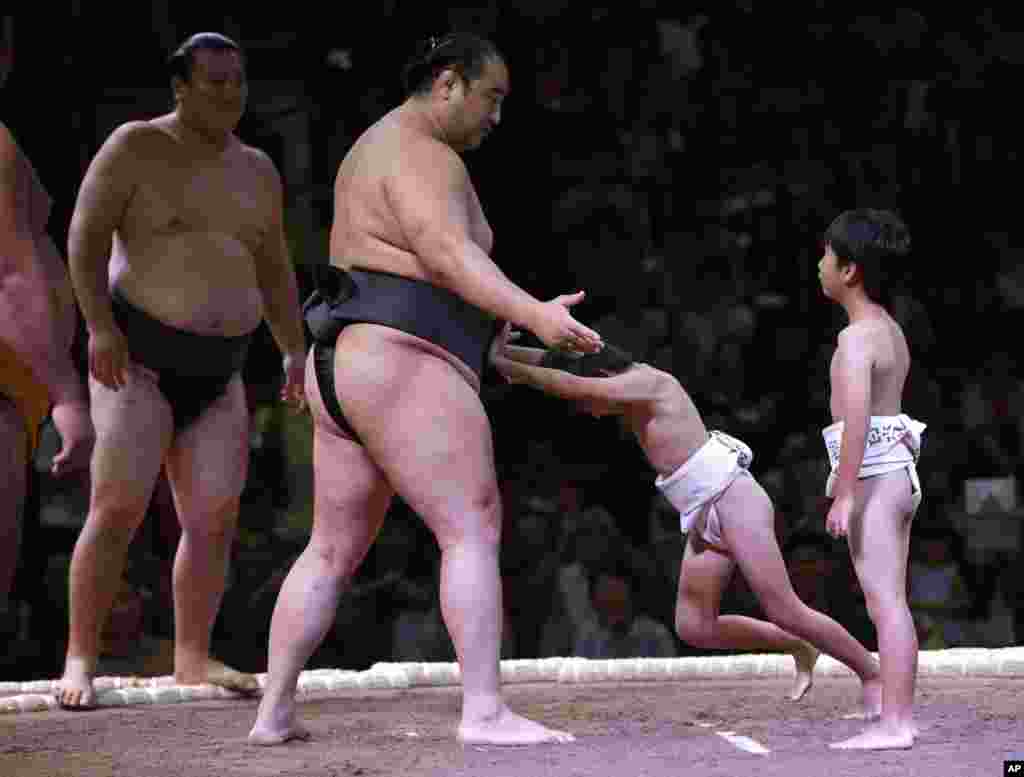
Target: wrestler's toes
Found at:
x=75, y=699
x=75, y=691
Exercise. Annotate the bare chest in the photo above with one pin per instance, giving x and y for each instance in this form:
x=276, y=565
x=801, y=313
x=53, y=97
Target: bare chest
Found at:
x=883, y=384
x=224, y=199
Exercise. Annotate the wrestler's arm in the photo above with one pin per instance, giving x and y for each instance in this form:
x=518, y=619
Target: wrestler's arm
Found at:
x=852, y=388
x=430, y=194
x=274, y=271
x=102, y=199
x=37, y=313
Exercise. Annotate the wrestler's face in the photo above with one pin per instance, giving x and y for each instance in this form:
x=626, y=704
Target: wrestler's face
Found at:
x=476, y=106
x=214, y=98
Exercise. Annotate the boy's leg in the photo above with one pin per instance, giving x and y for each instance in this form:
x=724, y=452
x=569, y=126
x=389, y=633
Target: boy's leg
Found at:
x=749, y=529
x=879, y=544
x=704, y=573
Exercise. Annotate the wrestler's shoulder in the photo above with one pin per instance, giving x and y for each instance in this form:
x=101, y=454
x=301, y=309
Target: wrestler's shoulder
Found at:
x=256, y=156
x=419, y=146
x=10, y=151
x=260, y=160
x=138, y=137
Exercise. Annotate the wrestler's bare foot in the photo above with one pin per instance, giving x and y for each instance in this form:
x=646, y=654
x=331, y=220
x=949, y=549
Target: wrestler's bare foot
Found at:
x=277, y=725
x=216, y=673
x=805, y=657
x=880, y=737
x=507, y=728
x=75, y=691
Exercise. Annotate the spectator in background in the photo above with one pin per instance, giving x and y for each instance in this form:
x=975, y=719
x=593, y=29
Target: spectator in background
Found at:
x=937, y=592
x=618, y=632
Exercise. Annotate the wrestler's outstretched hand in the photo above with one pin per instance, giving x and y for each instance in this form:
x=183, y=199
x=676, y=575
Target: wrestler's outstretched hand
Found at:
x=293, y=391
x=109, y=361
x=556, y=328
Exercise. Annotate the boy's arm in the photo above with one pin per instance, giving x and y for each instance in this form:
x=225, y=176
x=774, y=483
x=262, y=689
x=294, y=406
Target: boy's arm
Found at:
x=561, y=384
x=635, y=384
x=853, y=390
x=523, y=354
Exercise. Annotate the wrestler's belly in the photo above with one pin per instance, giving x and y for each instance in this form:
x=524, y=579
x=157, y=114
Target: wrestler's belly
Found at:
x=373, y=252
x=203, y=282
x=368, y=345
x=398, y=263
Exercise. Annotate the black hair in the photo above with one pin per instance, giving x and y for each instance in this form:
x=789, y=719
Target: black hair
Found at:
x=181, y=62
x=591, y=365
x=463, y=52
x=866, y=237
x=614, y=564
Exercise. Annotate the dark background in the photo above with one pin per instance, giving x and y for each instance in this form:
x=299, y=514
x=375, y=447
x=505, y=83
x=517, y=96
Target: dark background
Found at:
x=685, y=186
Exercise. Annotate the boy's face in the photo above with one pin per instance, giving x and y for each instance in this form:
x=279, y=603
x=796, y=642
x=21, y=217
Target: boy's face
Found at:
x=833, y=277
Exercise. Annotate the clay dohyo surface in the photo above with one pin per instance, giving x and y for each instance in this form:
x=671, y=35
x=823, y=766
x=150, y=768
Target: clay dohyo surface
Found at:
x=969, y=726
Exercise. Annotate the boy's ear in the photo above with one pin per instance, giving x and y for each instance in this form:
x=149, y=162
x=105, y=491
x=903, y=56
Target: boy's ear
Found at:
x=850, y=273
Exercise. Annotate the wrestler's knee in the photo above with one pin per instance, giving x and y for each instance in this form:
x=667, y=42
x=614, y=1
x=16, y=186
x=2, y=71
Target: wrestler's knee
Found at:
x=335, y=558
x=693, y=627
x=212, y=518
x=112, y=524
x=477, y=521
x=696, y=634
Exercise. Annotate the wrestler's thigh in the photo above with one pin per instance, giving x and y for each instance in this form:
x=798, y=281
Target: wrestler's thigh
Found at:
x=704, y=574
x=133, y=431
x=208, y=460
x=748, y=526
x=426, y=428
x=879, y=536
x=350, y=492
